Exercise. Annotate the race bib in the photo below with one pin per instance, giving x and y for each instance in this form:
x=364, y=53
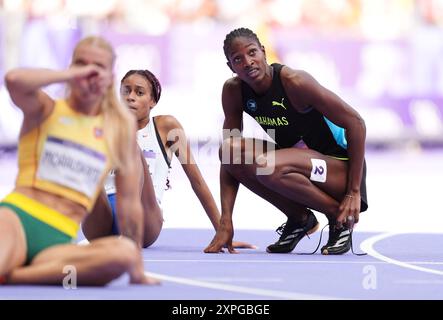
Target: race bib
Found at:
x=319, y=170
x=71, y=165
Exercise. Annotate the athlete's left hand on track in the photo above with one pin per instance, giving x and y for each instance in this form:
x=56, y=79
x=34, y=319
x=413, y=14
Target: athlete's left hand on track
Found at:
x=243, y=245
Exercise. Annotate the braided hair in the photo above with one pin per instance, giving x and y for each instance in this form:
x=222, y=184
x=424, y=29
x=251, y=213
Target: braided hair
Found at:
x=156, y=88
x=240, y=32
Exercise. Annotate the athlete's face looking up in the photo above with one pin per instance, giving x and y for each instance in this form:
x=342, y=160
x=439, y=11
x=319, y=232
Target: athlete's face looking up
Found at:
x=247, y=59
x=136, y=93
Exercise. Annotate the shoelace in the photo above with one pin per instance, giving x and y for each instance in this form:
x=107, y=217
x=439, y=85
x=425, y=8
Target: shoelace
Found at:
x=319, y=243
x=352, y=246
x=280, y=230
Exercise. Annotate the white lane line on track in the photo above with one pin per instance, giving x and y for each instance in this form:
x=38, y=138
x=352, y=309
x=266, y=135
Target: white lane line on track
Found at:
x=290, y=261
x=237, y=280
x=238, y=289
x=368, y=246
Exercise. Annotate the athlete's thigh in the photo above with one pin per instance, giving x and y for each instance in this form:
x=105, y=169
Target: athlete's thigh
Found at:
x=12, y=239
x=71, y=253
x=244, y=151
x=327, y=173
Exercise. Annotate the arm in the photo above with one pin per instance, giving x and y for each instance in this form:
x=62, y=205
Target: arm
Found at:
x=129, y=207
x=128, y=202
x=310, y=92
x=233, y=111
x=129, y=181
x=182, y=150
x=24, y=86
x=130, y=213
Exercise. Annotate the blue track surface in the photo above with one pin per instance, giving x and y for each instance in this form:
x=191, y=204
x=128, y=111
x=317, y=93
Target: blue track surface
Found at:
x=400, y=266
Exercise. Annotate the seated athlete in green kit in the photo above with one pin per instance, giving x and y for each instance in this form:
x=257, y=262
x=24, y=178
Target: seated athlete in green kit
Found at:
x=65, y=152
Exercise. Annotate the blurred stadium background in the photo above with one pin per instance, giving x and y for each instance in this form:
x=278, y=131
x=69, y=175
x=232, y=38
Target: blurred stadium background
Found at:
x=385, y=58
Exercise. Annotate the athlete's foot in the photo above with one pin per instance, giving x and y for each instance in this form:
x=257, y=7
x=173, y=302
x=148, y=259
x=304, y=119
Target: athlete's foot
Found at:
x=291, y=233
x=339, y=241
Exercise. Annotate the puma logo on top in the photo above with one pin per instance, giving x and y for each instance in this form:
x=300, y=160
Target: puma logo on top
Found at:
x=276, y=103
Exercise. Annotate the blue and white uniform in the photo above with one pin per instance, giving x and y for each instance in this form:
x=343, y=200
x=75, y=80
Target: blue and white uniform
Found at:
x=159, y=165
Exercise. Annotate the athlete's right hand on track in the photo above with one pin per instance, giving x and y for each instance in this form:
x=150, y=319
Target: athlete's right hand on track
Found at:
x=223, y=238
x=150, y=281
x=142, y=278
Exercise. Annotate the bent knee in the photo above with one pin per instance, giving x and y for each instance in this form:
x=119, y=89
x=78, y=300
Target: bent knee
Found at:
x=152, y=232
x=265, y=164
x=121, y=251
x=150, y=239
x=267, y=170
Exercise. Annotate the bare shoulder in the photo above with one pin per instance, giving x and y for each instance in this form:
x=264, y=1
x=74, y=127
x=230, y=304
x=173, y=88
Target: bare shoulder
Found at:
x=232, y=82
x=295, y=78
x=302, y=89
x=167, y=122
x=232, y=86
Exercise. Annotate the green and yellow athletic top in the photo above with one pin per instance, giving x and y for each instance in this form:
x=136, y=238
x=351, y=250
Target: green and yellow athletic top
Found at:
x=66, y=155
